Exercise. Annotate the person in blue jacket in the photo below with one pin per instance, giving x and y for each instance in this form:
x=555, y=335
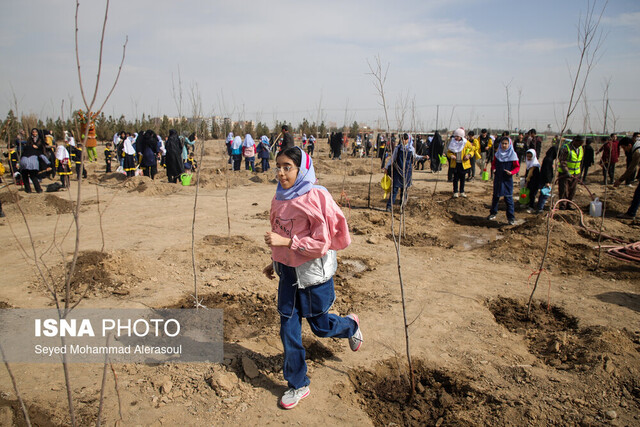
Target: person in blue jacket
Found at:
x=263, y=150
x=504, y=166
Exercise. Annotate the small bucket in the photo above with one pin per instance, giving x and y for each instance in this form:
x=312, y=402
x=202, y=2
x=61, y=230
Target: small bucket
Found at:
x=443, y=160
x=485, y=175
x=185, y=178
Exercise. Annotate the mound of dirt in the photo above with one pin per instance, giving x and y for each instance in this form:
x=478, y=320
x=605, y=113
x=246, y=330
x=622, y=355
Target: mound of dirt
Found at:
x=245, y=315
x=368, y=222
x=37, y=204
x=219, y=178
x=112, y=178
x=150, y=187
x=7, y=197
x=556, y=338
x=230, y=254
x=61, y=206
x=104, y=274
x=441, y=398
x=570, y=245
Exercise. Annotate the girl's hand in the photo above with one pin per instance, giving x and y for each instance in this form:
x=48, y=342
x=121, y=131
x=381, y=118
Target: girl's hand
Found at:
x=467, y=157
x=274, y=239
x=508, y=172
x=268, y=271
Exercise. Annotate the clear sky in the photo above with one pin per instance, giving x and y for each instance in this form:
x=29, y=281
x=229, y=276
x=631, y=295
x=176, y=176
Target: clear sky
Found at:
x=291, y=59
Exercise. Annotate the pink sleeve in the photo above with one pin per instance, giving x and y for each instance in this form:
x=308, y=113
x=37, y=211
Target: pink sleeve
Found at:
x=516, y=169
x=338, y=226
x=317, y=243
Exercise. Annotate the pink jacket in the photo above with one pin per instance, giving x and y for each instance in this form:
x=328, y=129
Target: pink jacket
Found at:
x=313, y=221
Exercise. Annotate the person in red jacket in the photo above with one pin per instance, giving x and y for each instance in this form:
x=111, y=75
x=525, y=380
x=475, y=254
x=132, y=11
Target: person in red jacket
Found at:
x=610, y=153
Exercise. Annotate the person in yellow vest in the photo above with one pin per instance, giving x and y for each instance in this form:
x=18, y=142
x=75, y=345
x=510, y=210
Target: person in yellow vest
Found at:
x=569, y=158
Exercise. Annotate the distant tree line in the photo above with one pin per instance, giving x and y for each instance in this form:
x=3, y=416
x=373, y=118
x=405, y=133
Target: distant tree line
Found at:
x=107, y=126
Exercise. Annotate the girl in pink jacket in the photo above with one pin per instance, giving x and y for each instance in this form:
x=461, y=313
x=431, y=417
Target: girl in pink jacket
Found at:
x=307, y=228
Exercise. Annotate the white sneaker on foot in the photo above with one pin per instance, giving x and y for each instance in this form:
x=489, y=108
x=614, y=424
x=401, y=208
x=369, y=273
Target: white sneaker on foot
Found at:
x=455, y=195
x=291, y=397
x=355, y=341
x=463, y=194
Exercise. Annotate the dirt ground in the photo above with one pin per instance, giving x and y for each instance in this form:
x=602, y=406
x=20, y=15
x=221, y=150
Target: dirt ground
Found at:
x=477, y=358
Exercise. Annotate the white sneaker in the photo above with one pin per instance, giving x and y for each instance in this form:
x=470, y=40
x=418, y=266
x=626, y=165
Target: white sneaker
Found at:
x=455, y=195
x=355, y=341
x=463, y=195
x=291, y=397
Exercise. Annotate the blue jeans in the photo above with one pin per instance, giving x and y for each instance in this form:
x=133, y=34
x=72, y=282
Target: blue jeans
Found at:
x=509, y=201
x=635, y=203
x=249, y=163
x=542, y=200
x=313, y=303
x=394, y=193
x=265, y=165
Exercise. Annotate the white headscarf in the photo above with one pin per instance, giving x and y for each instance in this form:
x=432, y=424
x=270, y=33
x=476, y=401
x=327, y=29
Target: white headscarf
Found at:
x=534, y=160
x=128, y=147
x=61, y=153
x=457, y=146
x=248, y=141
x=237, y=143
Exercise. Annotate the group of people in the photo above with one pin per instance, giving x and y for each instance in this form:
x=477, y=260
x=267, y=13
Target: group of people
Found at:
x=503, y=158
x=247, y=148
x=30, y=159
x=143, y=151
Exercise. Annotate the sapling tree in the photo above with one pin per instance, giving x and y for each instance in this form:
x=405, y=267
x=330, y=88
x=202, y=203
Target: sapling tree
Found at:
x=93, y=107
x=590, y=39
x=379, y=75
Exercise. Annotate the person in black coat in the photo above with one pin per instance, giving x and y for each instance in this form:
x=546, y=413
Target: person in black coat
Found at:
x=147, y=148
x=287, y=138
x=588, y=159
x=435, y=151
x=175, y=166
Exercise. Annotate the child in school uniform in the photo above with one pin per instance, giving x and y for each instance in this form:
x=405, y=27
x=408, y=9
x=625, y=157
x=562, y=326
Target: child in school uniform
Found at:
x=129, y=155
x=12, y=156
x=191, y=163
x=264, y=153
x=307, y=228
x=505, y=166
x=533, y=178
x=249, y=153
x=63, y=164
x=108, y=155
x=76, y=155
